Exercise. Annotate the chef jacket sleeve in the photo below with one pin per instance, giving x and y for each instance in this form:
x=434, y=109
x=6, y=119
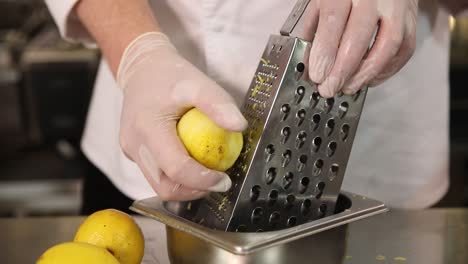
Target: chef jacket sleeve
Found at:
x=68, y=23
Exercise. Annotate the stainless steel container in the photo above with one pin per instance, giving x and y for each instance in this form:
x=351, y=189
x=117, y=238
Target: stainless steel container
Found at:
x=321, y=241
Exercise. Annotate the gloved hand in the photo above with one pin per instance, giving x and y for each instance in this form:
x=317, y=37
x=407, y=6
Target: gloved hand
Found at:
x=343, y=30
x=158, y=87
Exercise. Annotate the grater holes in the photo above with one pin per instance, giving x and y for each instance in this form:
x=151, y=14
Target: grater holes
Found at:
x=286, y=158
x=287, y=180
x=256, y=105
x=273, y=196
x=303, y=185
x=333, y=171
x=285, y=132
x=330, y=126
x=314, y=99
x=300, y=116
x=300, y=67
x=292, y=221
x=244, y=148
x=344, y=132
x=300, y=91
x=244, y=168
x=322, y=210
x=301, y=162
x=300, y=139
x=270, y=149
x=257, y=214
x=329, y=104
x=274, y=219
x=320, y=187
x=285, y=109
x=316, y=118
x=331, y=148
x=255, y=193
x=290, y=199
x=269, y=152
x=343, y=109
x=305, y=207
x=315, y=121
x=316, y=143
x=241, y=228
x=247, y=148
x=270, y=175
x=318, y=165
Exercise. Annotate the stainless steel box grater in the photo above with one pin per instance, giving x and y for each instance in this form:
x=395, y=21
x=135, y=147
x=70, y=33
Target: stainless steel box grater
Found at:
x=295, y=150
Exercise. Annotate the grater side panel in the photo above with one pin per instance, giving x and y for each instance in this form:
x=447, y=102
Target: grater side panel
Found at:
x=296, y=179
x=216, y=209
x=278, y=52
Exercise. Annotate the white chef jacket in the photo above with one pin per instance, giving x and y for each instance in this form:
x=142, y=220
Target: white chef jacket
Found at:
x=400, y=153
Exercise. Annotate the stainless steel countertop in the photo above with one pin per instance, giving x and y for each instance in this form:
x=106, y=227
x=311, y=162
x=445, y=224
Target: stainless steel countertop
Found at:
x=412, y=237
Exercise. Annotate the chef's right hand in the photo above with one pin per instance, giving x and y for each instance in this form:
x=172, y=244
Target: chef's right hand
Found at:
x=158, y=87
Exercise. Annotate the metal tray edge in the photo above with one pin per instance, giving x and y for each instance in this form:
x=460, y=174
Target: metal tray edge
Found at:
x=247, y=243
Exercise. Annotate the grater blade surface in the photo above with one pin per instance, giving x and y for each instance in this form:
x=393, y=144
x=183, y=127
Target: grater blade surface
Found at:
x=296, y=148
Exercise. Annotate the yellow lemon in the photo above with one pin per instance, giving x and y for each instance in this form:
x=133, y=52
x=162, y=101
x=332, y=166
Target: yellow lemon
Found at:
x=115, y=231
x=76, y=253
x=209, y=144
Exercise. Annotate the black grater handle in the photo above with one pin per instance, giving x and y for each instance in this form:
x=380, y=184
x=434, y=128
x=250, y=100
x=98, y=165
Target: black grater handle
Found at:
x=294, y=18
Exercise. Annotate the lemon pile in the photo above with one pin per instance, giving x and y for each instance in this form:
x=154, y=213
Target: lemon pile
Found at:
x=111, y=236
x=106, y=237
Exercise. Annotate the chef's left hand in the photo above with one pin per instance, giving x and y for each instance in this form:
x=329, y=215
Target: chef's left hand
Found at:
x=344, y=30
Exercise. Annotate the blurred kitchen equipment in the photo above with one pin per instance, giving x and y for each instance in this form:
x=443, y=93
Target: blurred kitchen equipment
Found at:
x=57, y=84
x=45, y=87
x=13, y=13
x=296, y=147
x=45, y=82
x=458, y=193
x=11, y=132
x=20, y=21
x=320, y=241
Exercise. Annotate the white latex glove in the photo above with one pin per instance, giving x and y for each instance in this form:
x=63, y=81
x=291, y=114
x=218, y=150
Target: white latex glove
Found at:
x=159, y=86
x=344, y=30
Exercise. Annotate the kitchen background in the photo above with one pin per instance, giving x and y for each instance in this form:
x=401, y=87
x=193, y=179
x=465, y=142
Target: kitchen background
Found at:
x=45, y=87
